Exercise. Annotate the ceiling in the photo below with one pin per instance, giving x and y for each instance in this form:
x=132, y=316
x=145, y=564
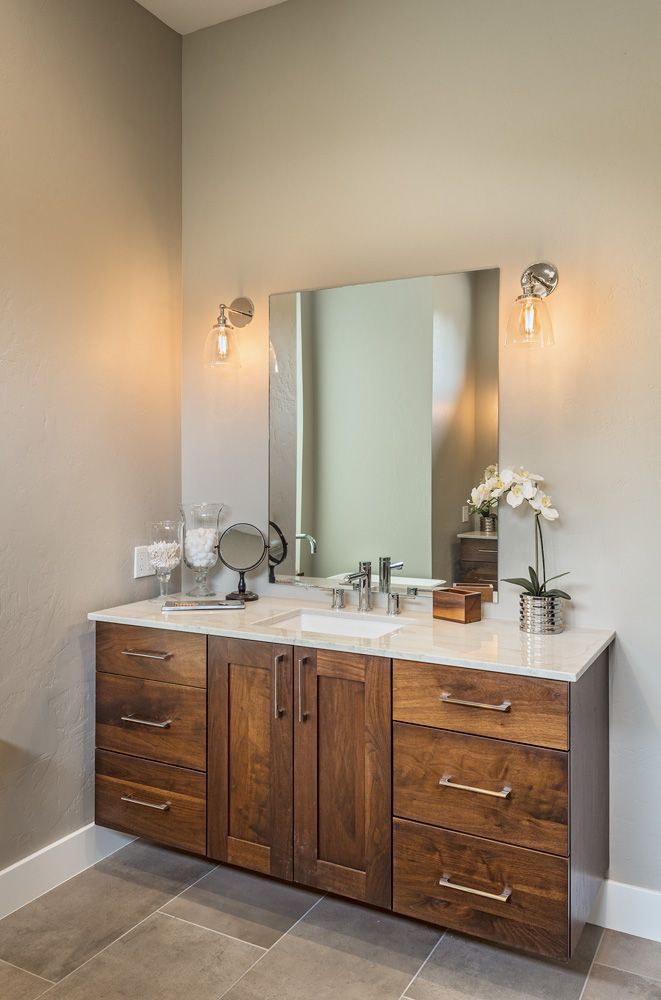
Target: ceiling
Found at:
x=190, y=15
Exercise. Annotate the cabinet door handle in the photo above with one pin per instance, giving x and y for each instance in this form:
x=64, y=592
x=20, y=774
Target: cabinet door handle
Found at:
x=500, y=897
x=146, y=656
x=447, y=782
x=277, y=711
x=161, y=806
x=487, y=551
x=504, y=706
x=302, y=714
x=147, y=722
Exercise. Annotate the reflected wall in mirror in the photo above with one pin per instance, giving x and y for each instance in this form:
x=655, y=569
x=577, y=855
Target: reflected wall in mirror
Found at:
x=383, y=415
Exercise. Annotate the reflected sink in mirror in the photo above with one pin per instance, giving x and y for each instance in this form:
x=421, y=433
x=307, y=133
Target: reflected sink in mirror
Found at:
x=352, y=625
x=417, y=582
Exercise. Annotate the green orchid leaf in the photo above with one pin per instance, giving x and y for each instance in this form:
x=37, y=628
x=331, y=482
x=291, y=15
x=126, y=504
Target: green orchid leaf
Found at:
x=520, y=581
x=557, y=576
x=558, y=593
x=534, y=579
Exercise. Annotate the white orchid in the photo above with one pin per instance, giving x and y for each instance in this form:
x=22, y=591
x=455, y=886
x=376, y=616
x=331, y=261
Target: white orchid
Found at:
x=521, y=475
x=515, y=496
x=541, y=503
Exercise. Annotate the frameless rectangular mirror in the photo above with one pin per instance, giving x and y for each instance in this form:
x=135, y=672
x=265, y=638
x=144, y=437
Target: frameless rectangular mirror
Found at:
x=383, y=415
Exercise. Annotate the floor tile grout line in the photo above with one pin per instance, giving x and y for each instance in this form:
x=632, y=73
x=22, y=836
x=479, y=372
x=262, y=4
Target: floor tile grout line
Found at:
x=262, y=957
x=115, y=940
x=628, y=972
x=212, y=930
x=422, y=965
x=3, y=961
x=96, y=955
x=592, y=963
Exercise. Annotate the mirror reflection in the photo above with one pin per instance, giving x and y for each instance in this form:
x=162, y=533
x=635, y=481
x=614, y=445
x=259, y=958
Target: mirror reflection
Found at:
x=383, y=415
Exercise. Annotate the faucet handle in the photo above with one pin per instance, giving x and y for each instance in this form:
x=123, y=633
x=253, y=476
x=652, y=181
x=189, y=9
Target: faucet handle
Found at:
x=338, y=599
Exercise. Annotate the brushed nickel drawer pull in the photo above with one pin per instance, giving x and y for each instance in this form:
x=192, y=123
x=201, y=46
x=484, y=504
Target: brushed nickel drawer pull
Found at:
x=500, y=897
x=277, y=711
x=146, y=656
x=449, y=700
x=302, y=714
x=147, y=722
x=447, y=782
x=161, y=806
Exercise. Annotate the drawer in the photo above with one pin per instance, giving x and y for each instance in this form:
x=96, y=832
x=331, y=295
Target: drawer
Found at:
x=478, y=572
x=506, y=894
x=482, y=702
x=165, y=722
x=490, y=788
x=154, y=653
x=163, y=803
x=479, y=550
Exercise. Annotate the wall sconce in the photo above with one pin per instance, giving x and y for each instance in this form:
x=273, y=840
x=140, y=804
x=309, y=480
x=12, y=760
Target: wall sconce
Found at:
x=530, y=324
x=221, y=348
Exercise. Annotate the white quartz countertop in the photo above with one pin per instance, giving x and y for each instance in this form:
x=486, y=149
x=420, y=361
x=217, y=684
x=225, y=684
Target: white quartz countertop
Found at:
x=491, y=644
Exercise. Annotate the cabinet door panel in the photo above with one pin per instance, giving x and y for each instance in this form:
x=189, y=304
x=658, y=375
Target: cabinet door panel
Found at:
x=250, y=763
x=342, y=759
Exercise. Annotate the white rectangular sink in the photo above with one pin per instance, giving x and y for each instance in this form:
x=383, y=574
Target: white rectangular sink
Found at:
x=351, y=624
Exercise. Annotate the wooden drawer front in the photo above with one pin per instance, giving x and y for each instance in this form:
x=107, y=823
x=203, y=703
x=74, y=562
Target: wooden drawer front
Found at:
x=513, y=793
x=479, y=550
x=163, y=803
x=526, y=905
x=154, y=653
x=182, y=741
x=506, y=706
x=478, y=572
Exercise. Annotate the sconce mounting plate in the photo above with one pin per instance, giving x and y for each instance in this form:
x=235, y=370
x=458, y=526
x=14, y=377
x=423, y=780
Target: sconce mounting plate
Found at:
x=241, y=311
x=539, y=279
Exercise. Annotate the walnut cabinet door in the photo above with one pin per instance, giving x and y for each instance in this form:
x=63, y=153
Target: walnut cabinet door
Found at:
x=250, y=755
x=342, y=773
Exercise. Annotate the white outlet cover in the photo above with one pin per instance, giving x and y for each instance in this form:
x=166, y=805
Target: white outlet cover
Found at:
x=141, y=565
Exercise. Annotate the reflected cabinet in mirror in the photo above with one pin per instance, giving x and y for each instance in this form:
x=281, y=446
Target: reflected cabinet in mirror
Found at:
x=383, y=416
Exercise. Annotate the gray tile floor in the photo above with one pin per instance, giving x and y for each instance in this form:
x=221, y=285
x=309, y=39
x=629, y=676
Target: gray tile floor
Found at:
x=153, y=924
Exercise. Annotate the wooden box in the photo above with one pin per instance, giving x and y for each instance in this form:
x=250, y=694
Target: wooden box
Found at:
x=458, y=604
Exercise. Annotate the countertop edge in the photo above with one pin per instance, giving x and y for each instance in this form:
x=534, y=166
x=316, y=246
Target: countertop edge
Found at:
x=264, y=634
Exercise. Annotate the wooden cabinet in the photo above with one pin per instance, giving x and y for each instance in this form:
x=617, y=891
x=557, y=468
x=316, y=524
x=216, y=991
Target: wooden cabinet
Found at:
x=478, y=560
x=151, y=734
x=299, y=765
x=500, y=802
x=250, y=789
x=342, y=774
x=472, y=799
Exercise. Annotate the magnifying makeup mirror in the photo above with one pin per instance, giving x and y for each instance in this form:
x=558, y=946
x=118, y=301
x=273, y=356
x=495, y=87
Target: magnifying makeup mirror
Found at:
x=242, y=547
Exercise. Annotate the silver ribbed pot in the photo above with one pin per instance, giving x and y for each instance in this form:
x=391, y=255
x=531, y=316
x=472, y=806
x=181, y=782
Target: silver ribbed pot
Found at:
x=488, y=524
x=541, y=615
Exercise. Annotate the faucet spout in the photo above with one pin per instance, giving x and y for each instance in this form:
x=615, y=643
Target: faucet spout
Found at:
x=364, y=580
x=310, y=539
x=385, y=566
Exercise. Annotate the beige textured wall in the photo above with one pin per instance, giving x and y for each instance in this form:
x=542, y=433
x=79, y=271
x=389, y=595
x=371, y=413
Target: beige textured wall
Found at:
x=90, y=227
x=357, y=140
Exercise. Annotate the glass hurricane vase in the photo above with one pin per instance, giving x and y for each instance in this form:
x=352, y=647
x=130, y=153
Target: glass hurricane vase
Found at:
x=200, y=543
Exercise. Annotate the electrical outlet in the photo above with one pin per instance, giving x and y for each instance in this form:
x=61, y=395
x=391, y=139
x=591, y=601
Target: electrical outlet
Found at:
x=465, y=515
x=141, y=564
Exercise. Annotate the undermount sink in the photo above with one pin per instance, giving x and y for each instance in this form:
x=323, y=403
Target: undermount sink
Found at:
x=352, y=625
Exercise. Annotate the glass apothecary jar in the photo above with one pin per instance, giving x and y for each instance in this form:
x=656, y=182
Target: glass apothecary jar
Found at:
x=164, y=552
x=200, y=543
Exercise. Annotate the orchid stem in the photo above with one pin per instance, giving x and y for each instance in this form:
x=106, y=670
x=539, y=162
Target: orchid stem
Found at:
x=538, y=534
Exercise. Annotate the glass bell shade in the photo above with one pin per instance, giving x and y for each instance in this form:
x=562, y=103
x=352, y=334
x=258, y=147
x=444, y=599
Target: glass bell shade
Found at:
x=529, y=324
x=221, y=348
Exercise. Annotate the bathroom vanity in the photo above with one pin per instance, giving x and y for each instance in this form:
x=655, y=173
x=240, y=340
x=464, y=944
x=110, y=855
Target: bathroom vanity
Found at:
x=454, y=774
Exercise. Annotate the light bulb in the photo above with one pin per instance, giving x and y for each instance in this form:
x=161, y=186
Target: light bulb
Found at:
x=221, y=346
x=529, y=324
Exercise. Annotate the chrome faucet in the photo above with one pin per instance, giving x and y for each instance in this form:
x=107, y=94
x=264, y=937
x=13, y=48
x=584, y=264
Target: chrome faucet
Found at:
x=312, y=541
x=385, y=566
x=363, y=578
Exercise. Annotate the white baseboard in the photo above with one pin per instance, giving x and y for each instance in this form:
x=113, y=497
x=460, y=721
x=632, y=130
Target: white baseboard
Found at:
x=628, y=908
x=55, y=863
